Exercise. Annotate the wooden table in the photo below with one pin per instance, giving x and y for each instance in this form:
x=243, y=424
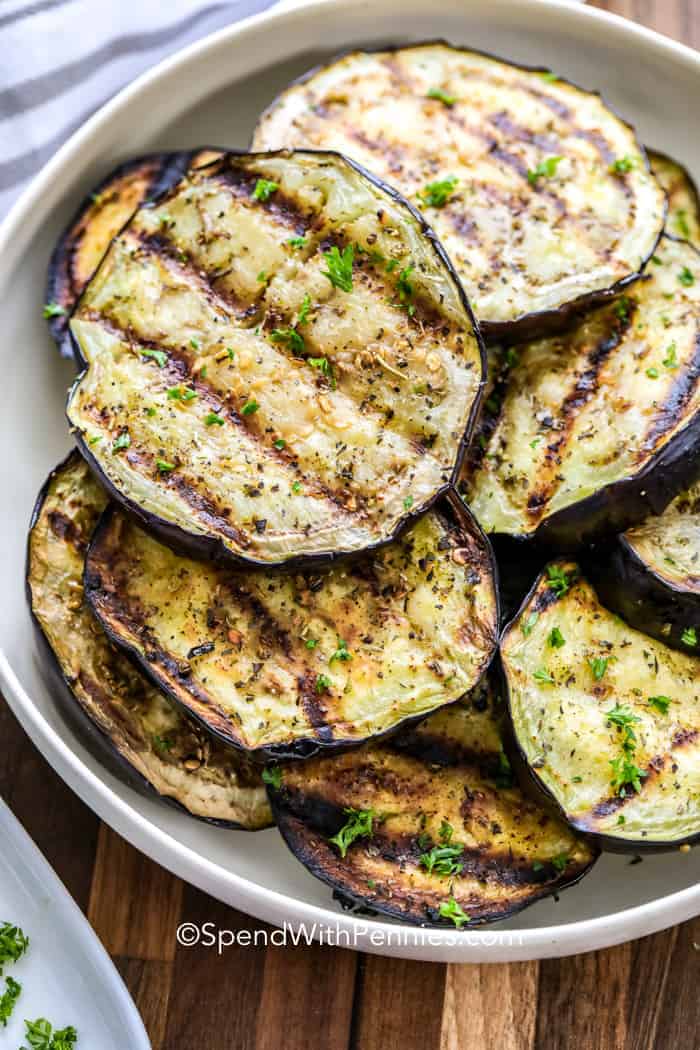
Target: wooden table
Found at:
x=641, y=996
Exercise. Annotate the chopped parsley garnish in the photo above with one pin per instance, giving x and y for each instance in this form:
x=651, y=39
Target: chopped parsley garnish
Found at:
x=297, y=242
x=262, y=277
x=558, y=580
x=560, y=861
x=450, y=909
x=690, y=637
x=339, y=271
x=323, y=683
x=681, y=222
x=442, y=860
x=272, y=775
x=652, y=373
x=194, y=343
x=437, y=194
x=304, y=310
x=122, y=441
x=13, y=944
x=214, y=419
x=556, y=639
x=181, y=393
x=527, y=625
x=54, y=310
x=357, y=826
x=686, y=277
x=164, y=466
x=543, y=675
x=622, y=309
x=660, y=703
x=625, y=771
x=504, y=775
x=41, y=1036
x=296, y=487
x=8, y=1000
x=512, y=358
x=161, y=743
x=250, y=407
x=311, y=643
x=446, y=831
x=280, y=443
x=291, y=337
x=550, y=77
x=408, y=502
x=671, y=361
x=342, y=653
x=621, y=166
x=324, y=367
x=159, y=356
x=406, y=289
x=441, y=96
x=546, y=169
x=264, y=189
x=598, y=666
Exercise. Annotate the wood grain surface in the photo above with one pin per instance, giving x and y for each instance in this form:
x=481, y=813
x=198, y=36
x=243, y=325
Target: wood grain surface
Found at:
x=640, y=996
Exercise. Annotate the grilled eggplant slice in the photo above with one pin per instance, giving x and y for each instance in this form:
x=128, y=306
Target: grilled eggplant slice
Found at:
x=651, y=574
x=541, y=196
x=280, y=362
x=683, y=219
x=595, y=429
x=607, y=719
x=285, y=664
x=435, y=827
x=86, y=238
x=125, y=720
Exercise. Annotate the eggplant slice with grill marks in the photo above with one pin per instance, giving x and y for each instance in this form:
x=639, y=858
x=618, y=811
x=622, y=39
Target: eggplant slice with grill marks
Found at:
x=124, y=719
x=284, y=664
x=280, y=363
x=540, y=194
x=683, y=218
x=593, y=430
x=607, y=719
x=651, y=574
x=429, y=826
x=100, y=218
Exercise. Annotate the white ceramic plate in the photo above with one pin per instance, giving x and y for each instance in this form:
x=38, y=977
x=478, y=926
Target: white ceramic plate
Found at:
x=211, y=93
x=66, y=975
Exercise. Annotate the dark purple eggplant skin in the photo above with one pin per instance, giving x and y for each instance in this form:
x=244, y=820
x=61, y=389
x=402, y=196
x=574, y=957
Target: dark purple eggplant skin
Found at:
x=544, y=322
x=606, y=843
x=95, y=741
x=629, y=586
x=164, y=171
x=303, y=748
x=209, y=549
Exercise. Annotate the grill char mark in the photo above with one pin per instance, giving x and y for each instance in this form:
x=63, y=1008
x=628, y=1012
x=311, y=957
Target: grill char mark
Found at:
x=584, y=388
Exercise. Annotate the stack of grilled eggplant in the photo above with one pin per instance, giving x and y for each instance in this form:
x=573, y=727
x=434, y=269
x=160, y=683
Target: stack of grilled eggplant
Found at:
x=266, y=574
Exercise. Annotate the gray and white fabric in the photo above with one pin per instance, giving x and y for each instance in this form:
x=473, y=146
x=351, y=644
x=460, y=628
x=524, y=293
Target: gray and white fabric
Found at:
x=60, y=60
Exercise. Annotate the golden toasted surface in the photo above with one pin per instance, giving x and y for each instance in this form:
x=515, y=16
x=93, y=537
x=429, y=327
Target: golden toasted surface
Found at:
x=290, y=662
x=168, y=750
x=595, y=406
x=451, y=835
x=607, y=718
x=279, y=362
x=539, y=193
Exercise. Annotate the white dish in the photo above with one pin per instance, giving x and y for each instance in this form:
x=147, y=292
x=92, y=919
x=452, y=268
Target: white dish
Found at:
x=211, y=93
x=66, y=975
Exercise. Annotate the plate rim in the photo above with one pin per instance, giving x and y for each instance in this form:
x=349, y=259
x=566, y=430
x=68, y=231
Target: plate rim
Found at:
x=485, y=944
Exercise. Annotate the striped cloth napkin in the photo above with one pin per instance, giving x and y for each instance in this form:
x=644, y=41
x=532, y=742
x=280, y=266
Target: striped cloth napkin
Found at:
x=61, y=59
